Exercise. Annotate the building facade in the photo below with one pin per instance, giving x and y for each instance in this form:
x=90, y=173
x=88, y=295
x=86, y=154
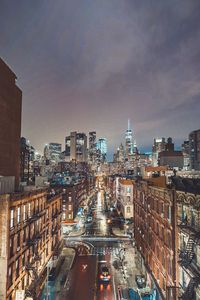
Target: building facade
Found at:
x=125, y=198
x=27, y=154
x=194, y=144
x=10, y=123
x=30, y=234
x=74, y=194
x=155, y=237
x=188, y=221
x=158, y=146
x=76, y=147
x=92, y=147
x=102, y=147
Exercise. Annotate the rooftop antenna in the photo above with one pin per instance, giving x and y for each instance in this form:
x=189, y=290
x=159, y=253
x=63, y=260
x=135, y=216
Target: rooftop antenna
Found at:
x=128, y=124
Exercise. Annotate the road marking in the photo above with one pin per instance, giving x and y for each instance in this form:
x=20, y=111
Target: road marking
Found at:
x=114, y=289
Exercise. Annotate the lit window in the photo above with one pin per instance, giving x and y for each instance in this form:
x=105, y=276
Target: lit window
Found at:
x=128, y=189
x=11, y=218
x=17, y=267
x=18, y=215
x=70, y=207
x=128, y=209
x=24, y=213
x=29, y=210
x=70, y=199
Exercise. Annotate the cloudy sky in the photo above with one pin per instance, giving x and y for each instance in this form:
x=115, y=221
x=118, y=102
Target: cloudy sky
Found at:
x=92, y=64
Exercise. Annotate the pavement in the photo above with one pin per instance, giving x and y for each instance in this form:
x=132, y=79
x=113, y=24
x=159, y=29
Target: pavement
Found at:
x=128, y=260
x=57, y=287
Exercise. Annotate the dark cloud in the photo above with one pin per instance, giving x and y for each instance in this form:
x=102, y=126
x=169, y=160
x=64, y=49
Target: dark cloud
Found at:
x=85, y=65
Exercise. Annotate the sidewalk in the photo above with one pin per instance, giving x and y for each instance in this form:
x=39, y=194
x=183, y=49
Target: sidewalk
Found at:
x=56, y=287
x=69, y=255
x=130, y=268
x=117, y=231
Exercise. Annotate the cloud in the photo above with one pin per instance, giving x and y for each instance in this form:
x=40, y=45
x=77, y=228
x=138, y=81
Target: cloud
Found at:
x=91, y=65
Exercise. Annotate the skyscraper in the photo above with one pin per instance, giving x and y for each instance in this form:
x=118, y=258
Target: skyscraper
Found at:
x=10, y=123
x=55, y=151
x=158, y=146
x=102, y=147
x=92, y=146
x=130, y=144
x=76, y=147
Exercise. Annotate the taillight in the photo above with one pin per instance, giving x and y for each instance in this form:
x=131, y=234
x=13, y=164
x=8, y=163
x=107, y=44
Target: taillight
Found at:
x=101, y=276
x=108, y=276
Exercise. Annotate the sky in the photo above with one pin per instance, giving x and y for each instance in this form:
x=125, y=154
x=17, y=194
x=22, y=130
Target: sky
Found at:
x=93, y=64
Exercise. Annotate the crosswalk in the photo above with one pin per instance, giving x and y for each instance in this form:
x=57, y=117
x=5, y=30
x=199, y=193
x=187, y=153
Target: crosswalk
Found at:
x=98, y=251
x=97, y=238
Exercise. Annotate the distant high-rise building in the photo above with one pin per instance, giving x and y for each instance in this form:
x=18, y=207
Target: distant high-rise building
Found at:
x=76, y=147
x=10, y=123
x=102, y=147
x=55, y=150
x=194, y=145
x=81, y=147
x=121, y=153
x=67, y=147
x=27, y=155
x=92, y=147
x=186, y=154
x=130, y=144
x=158, y=146
x=169, y=146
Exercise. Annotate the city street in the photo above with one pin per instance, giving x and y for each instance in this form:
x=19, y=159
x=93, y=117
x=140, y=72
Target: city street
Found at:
x=81, y=281
x=97, y=246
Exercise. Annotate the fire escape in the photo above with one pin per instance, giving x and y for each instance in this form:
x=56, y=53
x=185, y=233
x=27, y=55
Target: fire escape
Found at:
x=187, y=261
x=31, y=266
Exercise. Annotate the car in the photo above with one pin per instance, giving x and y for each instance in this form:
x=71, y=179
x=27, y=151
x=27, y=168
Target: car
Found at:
x=141, y=281
x=89, y=219
x=104, y=274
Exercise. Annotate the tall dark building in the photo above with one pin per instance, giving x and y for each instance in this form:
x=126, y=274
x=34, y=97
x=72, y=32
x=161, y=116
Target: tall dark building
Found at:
x=10, y=123
x=76, y=147
x=194, y=144
x=27, y=153
x=92, y=146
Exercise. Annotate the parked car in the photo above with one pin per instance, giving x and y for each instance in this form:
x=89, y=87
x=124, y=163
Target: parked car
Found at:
x=141, y=281
x=89, y=219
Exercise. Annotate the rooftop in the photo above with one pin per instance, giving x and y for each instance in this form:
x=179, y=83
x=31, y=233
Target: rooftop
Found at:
x=190, y=185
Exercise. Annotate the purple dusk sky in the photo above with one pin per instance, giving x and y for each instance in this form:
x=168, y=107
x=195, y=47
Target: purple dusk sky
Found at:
x=92, y=64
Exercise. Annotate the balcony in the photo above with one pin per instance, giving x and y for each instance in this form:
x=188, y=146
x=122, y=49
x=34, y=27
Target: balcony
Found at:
x=189, y=225
x=55, y=230
x=56, y=214
x=35, y=238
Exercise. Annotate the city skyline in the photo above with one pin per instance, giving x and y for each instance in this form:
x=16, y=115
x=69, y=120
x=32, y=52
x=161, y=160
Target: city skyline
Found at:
x=101, y=64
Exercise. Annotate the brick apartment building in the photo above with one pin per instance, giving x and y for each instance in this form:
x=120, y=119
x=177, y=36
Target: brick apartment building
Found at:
x=156, y=237
x=10, y=123
x=188, y=221
x=74, y=194
x=30, y=233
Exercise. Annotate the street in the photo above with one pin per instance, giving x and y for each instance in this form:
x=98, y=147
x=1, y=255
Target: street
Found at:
x=96, y=247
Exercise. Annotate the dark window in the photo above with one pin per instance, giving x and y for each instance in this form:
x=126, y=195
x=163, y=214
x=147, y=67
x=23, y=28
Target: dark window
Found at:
x=10, y=275
x=24, y=235
x=11, y=246
x=18, y=241
x=17, y=268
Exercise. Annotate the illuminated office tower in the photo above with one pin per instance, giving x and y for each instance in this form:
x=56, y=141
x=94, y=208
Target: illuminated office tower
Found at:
x=102, y=147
